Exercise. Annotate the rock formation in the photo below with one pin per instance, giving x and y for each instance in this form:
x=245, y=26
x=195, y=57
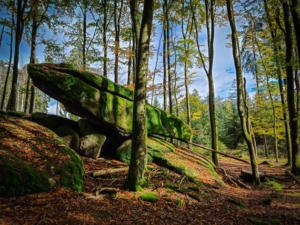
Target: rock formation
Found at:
x=101, y=101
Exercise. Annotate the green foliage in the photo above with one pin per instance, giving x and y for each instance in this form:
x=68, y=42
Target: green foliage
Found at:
x=149, y=197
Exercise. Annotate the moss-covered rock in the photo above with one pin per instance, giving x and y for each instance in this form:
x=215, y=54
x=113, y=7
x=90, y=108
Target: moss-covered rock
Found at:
x=155, y=148
x=69, y=135
x=33, y=159
x=101, y=101
x=53, y=121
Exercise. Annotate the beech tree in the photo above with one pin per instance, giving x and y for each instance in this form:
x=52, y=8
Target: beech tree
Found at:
x=241, y=98
x=135, y=179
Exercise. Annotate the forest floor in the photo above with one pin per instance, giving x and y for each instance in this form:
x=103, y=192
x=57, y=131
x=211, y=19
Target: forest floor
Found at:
x=179, y=201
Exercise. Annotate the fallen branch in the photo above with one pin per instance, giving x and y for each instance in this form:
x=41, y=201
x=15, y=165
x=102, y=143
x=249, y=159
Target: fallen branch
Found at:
x=228, y=176
x=98, y=173
x=292, y=176
x=221, y=153
x=234, y=180
x=42, y=220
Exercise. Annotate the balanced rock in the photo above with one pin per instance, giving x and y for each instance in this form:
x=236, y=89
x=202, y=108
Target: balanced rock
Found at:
x=101, y=101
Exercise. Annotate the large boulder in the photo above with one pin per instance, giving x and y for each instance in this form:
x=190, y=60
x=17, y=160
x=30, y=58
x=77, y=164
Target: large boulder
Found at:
x=33, y=159
x=101, y=101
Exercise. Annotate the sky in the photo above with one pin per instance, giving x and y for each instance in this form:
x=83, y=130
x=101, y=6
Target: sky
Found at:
x=223, y=69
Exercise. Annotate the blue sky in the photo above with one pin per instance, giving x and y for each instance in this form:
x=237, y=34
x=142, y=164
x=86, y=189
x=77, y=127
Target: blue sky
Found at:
x=223, y=70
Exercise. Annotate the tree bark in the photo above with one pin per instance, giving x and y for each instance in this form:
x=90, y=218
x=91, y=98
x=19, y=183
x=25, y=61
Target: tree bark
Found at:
x=135, y=179
x=240, y=92
x=293, y=117
x=12, y=103
x=32, y=57
x=104, y=5
x=9, y=63
x=117, y=18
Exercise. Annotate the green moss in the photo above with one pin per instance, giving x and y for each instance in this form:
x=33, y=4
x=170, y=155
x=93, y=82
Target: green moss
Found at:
x=149, y=197
x=179, y=202
x=100, y=97
x=16, y=114
x=72, y=172
x=172, y=186
x=274, y=186
x=19, y=178
x=194, y=188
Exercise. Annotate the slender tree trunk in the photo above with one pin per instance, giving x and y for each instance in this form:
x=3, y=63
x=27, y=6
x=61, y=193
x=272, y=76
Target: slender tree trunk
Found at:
x=117, y=18
x=154, y=72
x=84, y=12
x=210, y=28
x=135, y=179
x=32, y=58
x=1, y=35
x=296, y=21
x=12, y=103
x=240, y=92
x=274, y=121
x=164, y=57
x=129, y=81
x=266, y=146
x=135, y=39
x=186, y=34
x=277, y=49
x=104, y=5
x=9, y=63
x=169, y=60
x=293, y=117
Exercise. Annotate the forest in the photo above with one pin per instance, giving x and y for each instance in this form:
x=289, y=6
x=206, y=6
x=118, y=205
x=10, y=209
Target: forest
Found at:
x=159, y=49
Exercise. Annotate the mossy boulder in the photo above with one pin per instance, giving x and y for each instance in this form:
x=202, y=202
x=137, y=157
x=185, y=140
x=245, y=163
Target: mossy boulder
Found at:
x=155, y=148
x=53, y=121
x=33, y=159
x=101, y=101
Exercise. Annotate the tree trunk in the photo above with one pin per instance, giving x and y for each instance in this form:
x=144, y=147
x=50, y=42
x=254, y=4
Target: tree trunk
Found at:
x=12, y=102
x=135, y=179
x=266, y=146
x=32, y=57
x=117, y=18
x=9, y=63
x=135, y=38
x=293, y=117
x=84, y=12
x=1, y=35
x=169, y=60
x=164, y=57
x=104, y=5
x=277, y=49
x=240, y=99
